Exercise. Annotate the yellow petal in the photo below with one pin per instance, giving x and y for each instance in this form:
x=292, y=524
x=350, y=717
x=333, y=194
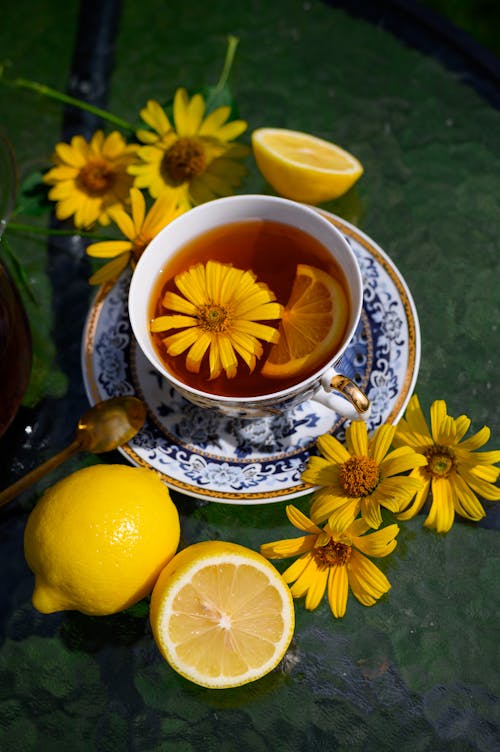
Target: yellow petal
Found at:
x=320, y=472
x=124, y=222
x=366, y=580
x=87, y=212
x=200, y=192
x=297, y=568
x=342, y=518
x=186, y=115
x=332, y=449
x=465, y=500
x=379, y=544
x=462, y=424
x=261, y=331
x=438, y=419
x=417, y=504
x=442, y=511
x=154, y=115
x=325, y=501
x=111, y=271
x=413, y=430
x=227, y=355
x=109, y=248
x=231, y=130
x=214, y=121
x=338, y=590
x=316, y=589
x=193, y=285
x=479, y=484
x=476, y=440
x=70, y=156
x=138, y=206
x=147, y=137
x=357, y=438
x=476, y=458
x=175, y=321
x=300, y=521
x=214, y=359
x=62, y=172
x=287, y=547
x=358, y=527
x=197, y=352
x=180, y=341
x=248, y=348
x=306, y=578
x=163, y=211
x=174, y=302
x=400, y=461
x=396, y=493
x=370, y=511
x=381, y=441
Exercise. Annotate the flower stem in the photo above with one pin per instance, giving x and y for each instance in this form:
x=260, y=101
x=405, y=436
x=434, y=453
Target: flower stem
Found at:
x=49, y=231
x=47, y=91
x=232, y=44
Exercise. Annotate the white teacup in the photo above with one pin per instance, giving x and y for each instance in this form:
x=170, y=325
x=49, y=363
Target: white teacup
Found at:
x=326, y=385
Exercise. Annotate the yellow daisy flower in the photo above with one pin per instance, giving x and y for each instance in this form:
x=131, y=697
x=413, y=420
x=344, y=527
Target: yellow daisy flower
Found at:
x=218, y=311
x=139, y=228
x=335, y=560
x=455, y=472
x=193, y=158
x=361, y=476
x=90, y=178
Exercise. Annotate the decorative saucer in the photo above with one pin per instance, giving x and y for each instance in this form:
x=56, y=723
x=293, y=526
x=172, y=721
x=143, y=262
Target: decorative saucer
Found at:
x=210, y=456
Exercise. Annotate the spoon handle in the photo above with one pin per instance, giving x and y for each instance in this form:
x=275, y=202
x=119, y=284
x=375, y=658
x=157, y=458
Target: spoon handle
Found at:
x=38, y=472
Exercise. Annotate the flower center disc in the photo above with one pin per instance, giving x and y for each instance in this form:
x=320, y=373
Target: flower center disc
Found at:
x=96, y=178
x=183, y=160
x=359, y=476
x=213, y=318
x=332, y=554
x=441, y=463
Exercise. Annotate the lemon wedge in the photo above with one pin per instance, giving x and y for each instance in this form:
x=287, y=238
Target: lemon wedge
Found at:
x=312, y=324
x=302, y=167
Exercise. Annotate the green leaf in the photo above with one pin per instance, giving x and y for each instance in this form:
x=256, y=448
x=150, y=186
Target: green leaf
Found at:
x=17, y=271
x=32, y=196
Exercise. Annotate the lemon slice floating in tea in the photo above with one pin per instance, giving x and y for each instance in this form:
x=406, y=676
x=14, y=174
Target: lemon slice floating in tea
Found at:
x=312, y=324
x=302, y=167
x=221, y=614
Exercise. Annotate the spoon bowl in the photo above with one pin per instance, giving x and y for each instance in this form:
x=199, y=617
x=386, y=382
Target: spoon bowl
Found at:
x=104, y=427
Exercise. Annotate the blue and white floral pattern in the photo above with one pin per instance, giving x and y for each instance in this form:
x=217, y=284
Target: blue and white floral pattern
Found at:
x=207, y=455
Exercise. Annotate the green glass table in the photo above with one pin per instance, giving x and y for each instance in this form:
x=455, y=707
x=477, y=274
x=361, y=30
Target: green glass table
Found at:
x=419, y=670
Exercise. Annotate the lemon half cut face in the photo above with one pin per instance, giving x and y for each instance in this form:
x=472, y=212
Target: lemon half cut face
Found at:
x=221, y=614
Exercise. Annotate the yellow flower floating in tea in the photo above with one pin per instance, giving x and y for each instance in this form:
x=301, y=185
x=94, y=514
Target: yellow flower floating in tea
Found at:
x=454, y=471
x=335, y=560
x=219, y=311
x=138, y=227
x=193, y=159
x=90, y=178
x=361, y=477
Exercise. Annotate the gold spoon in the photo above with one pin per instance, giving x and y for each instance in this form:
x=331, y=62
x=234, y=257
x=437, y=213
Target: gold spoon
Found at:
x=106, y=426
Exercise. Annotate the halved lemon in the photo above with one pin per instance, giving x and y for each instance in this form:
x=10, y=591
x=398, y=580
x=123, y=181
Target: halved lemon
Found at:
x=302, y=167
x=221, y=614
x=312, y=324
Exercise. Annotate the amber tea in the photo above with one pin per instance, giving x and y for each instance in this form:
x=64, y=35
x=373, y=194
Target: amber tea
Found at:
x=222, y=314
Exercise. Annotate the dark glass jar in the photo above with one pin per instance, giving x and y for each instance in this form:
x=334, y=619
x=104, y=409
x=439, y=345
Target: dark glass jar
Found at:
x=15, y=335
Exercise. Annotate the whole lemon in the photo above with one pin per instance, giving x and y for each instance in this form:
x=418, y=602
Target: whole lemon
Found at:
x=98, y=539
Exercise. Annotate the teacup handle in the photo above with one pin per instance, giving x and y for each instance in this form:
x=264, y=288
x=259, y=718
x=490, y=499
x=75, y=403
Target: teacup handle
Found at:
x=353, y=404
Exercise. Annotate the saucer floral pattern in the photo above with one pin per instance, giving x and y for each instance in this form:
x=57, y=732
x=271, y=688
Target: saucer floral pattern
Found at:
x=207, y=455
